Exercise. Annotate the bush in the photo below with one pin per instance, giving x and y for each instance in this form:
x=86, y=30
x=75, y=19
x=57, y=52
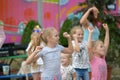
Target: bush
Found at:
x=28, y=30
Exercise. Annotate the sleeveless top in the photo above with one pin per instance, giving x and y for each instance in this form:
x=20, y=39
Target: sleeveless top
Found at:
x=95, y=35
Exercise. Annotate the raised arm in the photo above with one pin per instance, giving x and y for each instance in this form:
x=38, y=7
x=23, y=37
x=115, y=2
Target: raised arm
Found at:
x=90, y=29
x=84, y=19
x=33, y=57
x=106, y=40
x=69, y=49
x=76, y=46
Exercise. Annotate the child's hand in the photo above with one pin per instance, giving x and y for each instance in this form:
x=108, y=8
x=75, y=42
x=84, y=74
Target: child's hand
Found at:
x=90, y=29
x=95, y=11
x=38, y=48
x=105, y=26
x=66, y=35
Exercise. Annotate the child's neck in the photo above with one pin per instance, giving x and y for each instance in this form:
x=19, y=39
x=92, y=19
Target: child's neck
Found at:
x=100, y=56
x=65, y=65
x=51, y=45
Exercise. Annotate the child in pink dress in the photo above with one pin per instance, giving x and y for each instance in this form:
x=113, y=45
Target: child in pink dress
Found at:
x=99, y=51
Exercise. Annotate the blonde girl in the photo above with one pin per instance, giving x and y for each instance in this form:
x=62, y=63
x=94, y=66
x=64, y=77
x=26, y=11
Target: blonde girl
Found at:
x=51, y=53
x=36, y=65
x=98, y=51
x=67, y=71
x=80, y=57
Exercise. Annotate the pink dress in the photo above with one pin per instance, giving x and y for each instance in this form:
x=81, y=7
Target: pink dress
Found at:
x=99, y=68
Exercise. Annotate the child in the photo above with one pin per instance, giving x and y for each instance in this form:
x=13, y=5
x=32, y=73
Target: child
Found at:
x=68, y=72
x=80, y=55
x=99, y=51
x=36, y=66
x=51, y=54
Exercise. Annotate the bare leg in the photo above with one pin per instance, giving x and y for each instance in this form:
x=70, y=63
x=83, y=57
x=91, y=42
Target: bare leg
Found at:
x=36, y=76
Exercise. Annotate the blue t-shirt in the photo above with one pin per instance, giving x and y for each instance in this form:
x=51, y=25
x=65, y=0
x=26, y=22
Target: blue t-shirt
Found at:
x=95, y=35
x=51, y=59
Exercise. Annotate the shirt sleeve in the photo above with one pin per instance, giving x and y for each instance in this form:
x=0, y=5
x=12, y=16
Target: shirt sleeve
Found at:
x=40, y=53
x=60, y=47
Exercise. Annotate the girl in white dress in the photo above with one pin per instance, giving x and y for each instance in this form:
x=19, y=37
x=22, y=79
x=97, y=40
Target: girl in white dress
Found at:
x=36, y=66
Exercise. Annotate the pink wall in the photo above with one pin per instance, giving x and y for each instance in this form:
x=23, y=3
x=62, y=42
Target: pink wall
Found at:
x=54, y=14
x=12, y=12
x=49, y=17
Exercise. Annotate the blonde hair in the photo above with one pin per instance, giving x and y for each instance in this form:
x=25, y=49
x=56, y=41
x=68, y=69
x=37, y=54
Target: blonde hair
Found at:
x=69, y=57
x=73, y=30
x=94, y=45
x=47, y=32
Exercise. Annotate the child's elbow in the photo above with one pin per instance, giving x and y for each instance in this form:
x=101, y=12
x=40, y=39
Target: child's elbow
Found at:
x=81, y=21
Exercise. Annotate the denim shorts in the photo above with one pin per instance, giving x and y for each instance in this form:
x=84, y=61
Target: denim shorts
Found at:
x=82, y=74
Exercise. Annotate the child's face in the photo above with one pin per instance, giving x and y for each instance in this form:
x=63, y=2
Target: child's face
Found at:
x=54, y=37
x=64, y=60
x=33, y=36
x=79, y=34
x=100, y=49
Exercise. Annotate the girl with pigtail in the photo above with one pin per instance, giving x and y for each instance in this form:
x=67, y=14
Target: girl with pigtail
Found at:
x=51, y=54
